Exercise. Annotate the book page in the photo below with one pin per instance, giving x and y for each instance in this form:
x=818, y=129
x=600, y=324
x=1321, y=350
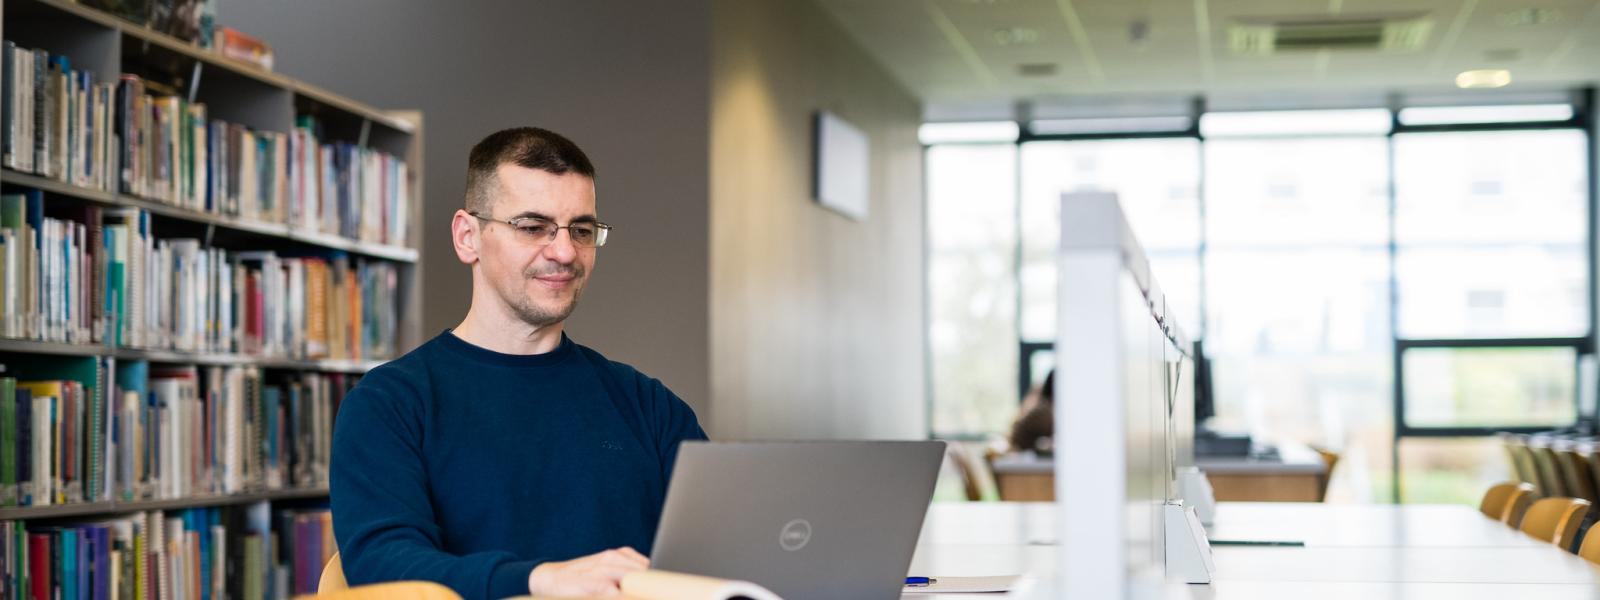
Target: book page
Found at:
x=666, y=585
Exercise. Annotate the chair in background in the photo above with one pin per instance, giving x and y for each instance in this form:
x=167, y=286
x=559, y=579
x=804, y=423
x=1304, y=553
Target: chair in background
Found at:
x=1551, y=484
x=1329, y=460
x=1516, y=451
x=400, y=590
x=1575, y=469
x=1506, y=502
x=1525, y=465
x=966, y=471
x=1555, y=520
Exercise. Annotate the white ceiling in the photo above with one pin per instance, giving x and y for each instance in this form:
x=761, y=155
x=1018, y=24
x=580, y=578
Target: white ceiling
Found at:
x=946, y=51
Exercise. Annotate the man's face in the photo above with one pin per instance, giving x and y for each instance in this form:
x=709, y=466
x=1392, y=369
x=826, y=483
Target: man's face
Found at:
x=540, y=282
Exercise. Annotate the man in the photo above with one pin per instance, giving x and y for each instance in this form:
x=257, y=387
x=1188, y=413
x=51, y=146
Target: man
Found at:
x=500, y=458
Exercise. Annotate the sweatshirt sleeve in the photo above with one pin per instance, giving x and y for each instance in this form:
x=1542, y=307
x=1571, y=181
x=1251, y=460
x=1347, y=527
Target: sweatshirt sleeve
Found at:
x=671, y=418
x=383, y=519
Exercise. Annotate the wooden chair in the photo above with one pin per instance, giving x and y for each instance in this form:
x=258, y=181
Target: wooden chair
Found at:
x=332, y=579
x=1515, y=451
x=964, y=469
x=399, y=590
x=1506, y=502
x=1529, y=467
x=1555, y=520
x=1575, y=470
x=1330, y=459
x=1590, y=549
x=1550, y=482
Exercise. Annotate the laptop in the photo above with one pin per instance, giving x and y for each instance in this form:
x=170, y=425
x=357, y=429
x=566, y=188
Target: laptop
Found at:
x=807, y=520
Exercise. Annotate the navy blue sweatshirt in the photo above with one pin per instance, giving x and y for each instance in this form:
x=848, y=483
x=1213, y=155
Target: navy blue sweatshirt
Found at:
x=468, y=467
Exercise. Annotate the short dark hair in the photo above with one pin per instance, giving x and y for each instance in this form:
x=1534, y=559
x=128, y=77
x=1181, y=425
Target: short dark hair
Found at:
x=528, y=147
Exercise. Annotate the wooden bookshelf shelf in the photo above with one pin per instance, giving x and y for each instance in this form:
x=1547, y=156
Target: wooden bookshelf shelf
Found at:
x=198, y=358
x=322, y=240
x=80, y=509
x=214, y=59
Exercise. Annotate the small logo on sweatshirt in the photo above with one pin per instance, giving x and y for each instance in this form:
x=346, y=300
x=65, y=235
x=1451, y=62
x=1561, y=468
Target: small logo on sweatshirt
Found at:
x=610, y=445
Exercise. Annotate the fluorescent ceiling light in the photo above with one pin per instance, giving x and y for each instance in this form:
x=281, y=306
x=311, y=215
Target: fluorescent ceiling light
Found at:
x=1109, y=125
x=1450, y=115
x=1362, y=121
x=967, y=133
x=1483, y=78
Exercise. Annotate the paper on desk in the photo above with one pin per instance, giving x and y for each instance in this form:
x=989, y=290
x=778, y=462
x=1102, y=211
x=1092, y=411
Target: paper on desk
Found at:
x=957, y=585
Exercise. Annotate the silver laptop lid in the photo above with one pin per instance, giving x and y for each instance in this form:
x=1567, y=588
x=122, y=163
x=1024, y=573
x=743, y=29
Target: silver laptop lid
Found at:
x=807, y=520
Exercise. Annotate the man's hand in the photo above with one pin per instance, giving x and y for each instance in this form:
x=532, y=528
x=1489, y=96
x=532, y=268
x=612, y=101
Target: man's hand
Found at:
x=598, y=575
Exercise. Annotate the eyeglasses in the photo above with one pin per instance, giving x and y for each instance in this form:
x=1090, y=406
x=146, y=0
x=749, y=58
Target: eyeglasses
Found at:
x=542, y=232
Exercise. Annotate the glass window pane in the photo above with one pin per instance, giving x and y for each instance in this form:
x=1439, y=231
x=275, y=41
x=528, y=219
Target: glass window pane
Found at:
x=1490, y=387
x=1157, y=182
x=1299, y=342
x=1490, y=230
x=1295, y=192
x=1472, y=291
x=1297, y=293
x=972, y=292
x=1450, y=470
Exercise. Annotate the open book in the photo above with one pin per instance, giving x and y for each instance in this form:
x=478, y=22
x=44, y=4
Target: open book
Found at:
x=666, y=585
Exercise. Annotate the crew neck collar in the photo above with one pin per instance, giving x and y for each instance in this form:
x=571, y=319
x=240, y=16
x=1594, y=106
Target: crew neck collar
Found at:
x=562, y=352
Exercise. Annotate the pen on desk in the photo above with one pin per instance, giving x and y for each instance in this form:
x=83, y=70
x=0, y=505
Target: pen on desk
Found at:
x=919, y=581
x=1282, y=543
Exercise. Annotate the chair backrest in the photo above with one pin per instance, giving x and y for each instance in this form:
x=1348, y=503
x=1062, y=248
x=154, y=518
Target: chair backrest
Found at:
x=1555, y=520
x=1549, y=472
x=1506, y=502
x=1330, y=459
x=399, y=590
x=332, y=579
x=1515, y=452
x=1590, y=548
x=1524, y=458
x=965, y=470
x=1575, y=468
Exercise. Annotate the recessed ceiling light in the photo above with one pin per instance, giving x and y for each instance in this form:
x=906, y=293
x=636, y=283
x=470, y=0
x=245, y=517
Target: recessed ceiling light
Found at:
x=1529, y=16
x=1483, y=78
x=1036, y=69
x=1502, y=54
x=1015, y=36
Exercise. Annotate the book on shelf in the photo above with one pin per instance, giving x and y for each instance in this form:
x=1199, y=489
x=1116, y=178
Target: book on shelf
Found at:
x=127, y=137
x=244, y=552
x=100, y=276
x=55, y=121
x=93, y=429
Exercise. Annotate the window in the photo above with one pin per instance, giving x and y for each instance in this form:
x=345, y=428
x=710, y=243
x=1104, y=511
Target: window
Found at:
x=972, y=287
x=1328, y=258
x=1476, y=267
x=1158, y=184
x=1298, y=327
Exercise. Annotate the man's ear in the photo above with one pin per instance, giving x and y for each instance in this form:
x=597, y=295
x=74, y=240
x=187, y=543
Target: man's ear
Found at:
x=464, y=236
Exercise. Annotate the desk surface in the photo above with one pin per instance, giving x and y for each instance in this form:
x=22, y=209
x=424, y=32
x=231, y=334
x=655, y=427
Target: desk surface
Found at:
x=1292, y=459
x=1317, y=525
x=1372, y=552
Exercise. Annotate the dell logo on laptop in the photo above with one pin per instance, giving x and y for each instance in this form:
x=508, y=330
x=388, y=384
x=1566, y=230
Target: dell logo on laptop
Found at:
x=795, y=535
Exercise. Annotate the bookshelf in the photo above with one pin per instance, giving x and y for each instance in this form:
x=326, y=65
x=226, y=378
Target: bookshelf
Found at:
x=262, y=102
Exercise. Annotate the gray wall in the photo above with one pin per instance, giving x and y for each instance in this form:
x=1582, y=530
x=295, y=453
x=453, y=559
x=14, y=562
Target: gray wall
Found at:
x=629, y=85
x=816, y=320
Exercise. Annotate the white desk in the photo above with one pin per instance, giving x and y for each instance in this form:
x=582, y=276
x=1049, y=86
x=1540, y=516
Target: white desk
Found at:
x=1360, y=525
x=1372, y=552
